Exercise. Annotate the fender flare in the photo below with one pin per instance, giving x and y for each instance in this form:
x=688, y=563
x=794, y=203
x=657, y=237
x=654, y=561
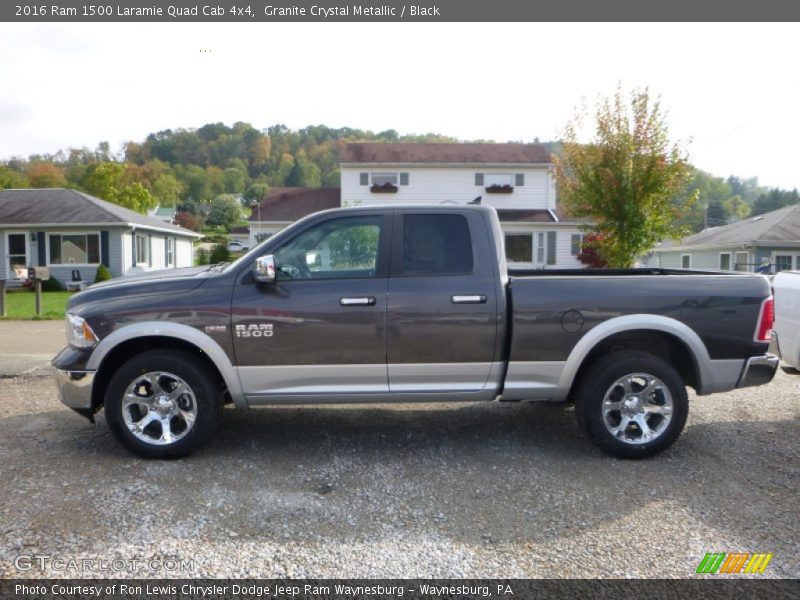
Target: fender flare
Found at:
x=697, y=349
x=178, y=331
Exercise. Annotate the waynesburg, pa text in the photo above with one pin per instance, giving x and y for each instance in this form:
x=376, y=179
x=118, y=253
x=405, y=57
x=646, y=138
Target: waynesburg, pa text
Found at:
x=217, y=10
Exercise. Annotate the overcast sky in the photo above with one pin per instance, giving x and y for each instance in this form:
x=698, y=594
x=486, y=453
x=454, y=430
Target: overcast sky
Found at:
x=733, y=90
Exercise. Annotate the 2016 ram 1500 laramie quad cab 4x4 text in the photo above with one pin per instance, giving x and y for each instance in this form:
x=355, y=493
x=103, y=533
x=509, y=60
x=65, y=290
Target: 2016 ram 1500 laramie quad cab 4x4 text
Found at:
x=408, y=304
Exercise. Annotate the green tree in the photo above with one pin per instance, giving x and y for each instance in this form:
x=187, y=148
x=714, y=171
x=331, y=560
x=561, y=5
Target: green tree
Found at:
x=773, y=200
x=225, y=211
x=235, y=180
x=626, y=178
x=108, y=181
x=10, y=179
x=256, y=192
x=167, y=189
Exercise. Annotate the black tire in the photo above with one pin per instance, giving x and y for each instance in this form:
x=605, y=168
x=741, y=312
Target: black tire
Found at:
x=602, y=376
x=207, y=400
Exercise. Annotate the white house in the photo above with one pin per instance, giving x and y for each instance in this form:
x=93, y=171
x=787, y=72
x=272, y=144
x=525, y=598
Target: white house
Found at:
x=73, y=233
x=516, y=179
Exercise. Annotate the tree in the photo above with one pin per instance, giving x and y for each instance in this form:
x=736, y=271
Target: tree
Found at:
x=589, y=254
x=626, y=178
x=256, y=192
x=167, y=189
x=46, y=175
x=225, y=211
x=10, y=179
x=773, y=200
x=716, y=215
x=188, y=221
x=109, y=181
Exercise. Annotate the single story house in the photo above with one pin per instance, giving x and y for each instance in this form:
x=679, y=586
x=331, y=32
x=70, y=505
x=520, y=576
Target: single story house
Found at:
x=766, y=243
x=69, y=231
x=283, y=206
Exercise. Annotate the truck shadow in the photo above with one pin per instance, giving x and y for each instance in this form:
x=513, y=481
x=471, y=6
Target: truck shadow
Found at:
x=488, y=473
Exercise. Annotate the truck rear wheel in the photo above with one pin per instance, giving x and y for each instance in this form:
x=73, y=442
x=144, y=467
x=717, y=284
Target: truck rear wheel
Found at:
x=633, y=404
x=162, y=404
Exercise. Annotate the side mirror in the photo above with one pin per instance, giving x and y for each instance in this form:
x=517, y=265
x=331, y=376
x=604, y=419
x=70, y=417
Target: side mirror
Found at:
x=264, y=269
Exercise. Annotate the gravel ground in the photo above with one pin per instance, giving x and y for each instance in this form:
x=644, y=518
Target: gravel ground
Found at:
x=491, y=490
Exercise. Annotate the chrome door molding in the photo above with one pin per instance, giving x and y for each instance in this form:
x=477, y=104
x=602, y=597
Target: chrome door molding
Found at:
x=314, y=379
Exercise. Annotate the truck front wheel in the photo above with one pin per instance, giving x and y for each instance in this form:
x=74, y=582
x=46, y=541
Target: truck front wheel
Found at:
x=162, y=404
x=633, y=404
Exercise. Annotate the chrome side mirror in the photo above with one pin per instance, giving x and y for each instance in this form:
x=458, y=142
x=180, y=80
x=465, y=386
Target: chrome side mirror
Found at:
x=264, y=269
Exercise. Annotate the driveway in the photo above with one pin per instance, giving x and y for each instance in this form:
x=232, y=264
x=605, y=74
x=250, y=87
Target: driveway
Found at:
x=457, y=490
x=28, y=346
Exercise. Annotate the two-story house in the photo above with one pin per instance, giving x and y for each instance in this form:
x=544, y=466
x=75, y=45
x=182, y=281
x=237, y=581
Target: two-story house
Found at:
x=516, y=179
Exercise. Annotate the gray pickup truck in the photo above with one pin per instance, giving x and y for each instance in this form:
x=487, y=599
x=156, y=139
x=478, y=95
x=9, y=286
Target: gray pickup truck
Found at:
x=407, y=304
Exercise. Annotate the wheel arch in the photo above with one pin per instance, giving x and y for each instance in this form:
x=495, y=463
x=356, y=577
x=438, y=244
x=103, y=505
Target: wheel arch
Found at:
x=660, y=336
x=133, y=339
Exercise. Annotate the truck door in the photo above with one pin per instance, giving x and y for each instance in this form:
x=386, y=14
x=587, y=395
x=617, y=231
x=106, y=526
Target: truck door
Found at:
x=320, y=327
x=441, y=308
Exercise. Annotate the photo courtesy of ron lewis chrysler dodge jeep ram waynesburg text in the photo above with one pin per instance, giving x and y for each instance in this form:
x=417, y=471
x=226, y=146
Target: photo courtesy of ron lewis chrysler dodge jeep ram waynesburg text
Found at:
x=408, y=304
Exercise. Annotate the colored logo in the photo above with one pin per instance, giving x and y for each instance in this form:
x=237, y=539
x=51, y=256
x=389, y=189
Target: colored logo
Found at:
x=734, y=562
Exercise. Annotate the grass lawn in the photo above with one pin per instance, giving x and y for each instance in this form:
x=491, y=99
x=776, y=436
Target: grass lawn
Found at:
x=22, y=305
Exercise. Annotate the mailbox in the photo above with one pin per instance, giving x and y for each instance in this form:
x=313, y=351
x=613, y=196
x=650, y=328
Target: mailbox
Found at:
x=40, y=273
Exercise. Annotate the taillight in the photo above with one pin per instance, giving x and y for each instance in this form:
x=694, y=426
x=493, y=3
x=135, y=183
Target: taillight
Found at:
x=765, y=321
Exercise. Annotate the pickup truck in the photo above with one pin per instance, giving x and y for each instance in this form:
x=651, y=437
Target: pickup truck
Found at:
x=786, y=286
x=404, y=304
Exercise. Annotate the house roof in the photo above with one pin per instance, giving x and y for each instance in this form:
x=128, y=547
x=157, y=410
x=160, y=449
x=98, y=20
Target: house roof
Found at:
x=290, y=204
x=60, y=206
x=772, y=228
x=538, y=216
x=409, y=152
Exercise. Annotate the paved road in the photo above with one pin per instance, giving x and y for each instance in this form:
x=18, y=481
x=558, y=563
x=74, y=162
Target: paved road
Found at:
x=495, y=490
x=28, y=346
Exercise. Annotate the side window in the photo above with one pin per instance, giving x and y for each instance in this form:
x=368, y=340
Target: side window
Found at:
x=436, y=245
x=335, y=249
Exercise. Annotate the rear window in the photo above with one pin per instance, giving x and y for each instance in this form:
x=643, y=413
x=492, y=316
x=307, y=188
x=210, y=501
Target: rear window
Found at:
x=436, y=245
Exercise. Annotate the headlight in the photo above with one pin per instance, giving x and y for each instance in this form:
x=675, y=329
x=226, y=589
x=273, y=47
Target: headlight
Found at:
x=79, y=334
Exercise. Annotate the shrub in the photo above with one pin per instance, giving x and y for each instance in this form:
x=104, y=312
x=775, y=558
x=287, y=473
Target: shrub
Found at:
x=51, y=285
x=102, y=274
x=201, y=256
x=219, y=253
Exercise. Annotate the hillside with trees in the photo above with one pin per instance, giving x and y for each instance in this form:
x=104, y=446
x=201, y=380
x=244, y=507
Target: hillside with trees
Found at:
x=200, y=170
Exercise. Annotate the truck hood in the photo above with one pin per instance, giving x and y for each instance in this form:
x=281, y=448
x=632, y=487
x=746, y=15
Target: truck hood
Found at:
x=170, y=281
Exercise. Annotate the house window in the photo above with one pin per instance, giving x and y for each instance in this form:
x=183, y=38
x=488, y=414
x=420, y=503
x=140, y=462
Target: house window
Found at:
x=403, y=178
x=519, y=179
x=498, y=179
x=742, y=262
x=142, y=250
x=725, y=261
x=686, y=261
x=170, y=248
x=783, y=262
x=575, y=243
x=363, y=178
x=18, y=255
x=74, y=248
x=540, y=248
x=479, y=179
x=380, y=179
x=519, y=247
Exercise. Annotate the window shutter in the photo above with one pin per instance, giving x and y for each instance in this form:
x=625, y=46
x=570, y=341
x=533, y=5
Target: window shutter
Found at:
x=479, y=179
x=403, y=178
x=519, y=179
x=551, y=247
x=40, y=249
x=166, y=252
x=363, y=178
x=149, y=250
x=133, y=247
x=104, y=249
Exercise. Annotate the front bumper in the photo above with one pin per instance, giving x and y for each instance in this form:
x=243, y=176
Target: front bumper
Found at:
x=758, y=370
x=75, y=389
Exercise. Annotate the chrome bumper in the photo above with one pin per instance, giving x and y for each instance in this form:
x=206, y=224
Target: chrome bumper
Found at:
x=75, y=388
x=758, y=370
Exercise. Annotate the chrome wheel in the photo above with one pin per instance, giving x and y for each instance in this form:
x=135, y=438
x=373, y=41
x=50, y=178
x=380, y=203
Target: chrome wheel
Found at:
x=159, y=408
x=637, y=408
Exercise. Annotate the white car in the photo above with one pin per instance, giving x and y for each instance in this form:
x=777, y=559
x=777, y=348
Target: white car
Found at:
x=786, y=287
x=236, y=247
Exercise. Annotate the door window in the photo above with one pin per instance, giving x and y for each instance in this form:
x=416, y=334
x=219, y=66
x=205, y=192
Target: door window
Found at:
x=783, y=262
x=436, y=245
x=334, y=249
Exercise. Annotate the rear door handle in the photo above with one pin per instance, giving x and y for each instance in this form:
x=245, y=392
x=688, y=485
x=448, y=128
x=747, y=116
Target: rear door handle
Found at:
x=364, y=301
x=469, y=299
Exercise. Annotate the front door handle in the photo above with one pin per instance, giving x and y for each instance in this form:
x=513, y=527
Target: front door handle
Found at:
x=363, y=301
x=469, y=299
